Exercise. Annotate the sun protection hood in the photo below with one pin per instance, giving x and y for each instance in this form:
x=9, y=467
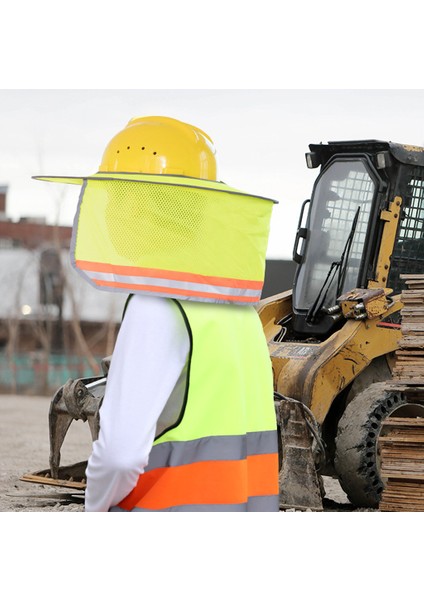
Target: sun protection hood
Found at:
x=170, y=236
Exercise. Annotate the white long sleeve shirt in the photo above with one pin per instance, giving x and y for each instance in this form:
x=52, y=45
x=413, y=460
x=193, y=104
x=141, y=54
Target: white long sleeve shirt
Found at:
x=150, y=355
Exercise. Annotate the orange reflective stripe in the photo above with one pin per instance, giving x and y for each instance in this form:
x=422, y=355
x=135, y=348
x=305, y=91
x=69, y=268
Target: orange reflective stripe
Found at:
x=263, y=474
x=165, y=274
x=174, y=291
x=209, y=482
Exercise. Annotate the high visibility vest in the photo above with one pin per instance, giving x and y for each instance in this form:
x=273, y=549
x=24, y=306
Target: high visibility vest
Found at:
x=170, y=236
x=219, y=452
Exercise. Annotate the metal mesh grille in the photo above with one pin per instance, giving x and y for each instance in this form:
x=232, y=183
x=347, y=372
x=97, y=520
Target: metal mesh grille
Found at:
x=356, y=191
x=408, y=255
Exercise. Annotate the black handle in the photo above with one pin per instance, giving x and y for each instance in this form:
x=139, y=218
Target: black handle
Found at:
x=300, y=235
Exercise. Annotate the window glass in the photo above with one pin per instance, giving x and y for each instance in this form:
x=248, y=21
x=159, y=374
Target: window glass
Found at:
x=343, y=189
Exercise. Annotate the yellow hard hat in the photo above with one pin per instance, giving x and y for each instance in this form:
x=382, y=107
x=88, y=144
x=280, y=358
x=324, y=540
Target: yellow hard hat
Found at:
x=160, y=145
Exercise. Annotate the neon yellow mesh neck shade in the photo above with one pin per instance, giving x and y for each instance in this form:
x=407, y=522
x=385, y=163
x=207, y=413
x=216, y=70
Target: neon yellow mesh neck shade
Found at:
x=171, y=236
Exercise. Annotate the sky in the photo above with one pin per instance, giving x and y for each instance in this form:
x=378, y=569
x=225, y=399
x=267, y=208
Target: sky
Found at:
x=260, y=136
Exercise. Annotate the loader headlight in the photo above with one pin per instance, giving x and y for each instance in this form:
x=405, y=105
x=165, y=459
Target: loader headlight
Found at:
x=312, y=160
x=383, y=160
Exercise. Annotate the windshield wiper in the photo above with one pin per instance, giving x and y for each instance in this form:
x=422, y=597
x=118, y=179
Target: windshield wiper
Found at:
x=345, y=255
x=339, y=265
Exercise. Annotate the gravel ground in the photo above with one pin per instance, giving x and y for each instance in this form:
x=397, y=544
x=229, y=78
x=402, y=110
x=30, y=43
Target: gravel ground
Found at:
x=24, y=448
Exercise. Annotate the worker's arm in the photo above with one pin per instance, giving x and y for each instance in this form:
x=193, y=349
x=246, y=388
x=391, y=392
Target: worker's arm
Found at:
x=150, y=352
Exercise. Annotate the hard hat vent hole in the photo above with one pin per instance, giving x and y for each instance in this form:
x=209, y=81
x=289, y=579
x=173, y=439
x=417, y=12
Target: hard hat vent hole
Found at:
x=154, y=152
x=143, y=147
x=128, y=147
x=117, y=152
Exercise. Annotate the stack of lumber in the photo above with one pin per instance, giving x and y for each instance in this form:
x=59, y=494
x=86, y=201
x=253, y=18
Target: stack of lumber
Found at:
x=409, y=367
x=401, y=441
x=402, y=464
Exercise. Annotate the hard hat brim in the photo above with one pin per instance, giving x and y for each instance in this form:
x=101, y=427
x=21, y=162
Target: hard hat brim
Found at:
x=162, y=179
x=59, y=179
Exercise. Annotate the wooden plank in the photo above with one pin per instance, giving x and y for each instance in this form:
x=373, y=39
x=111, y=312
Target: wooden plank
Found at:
x=401, y=475
x=411, y=342
x=412, y=328
x=404, y=421
x=409, y=370
x=415, y=495
x=412, y=381
x=31, y=478
x=408, y=433
x=413, y=276
x=399, y=507
x=408, y=379
x=417, y=359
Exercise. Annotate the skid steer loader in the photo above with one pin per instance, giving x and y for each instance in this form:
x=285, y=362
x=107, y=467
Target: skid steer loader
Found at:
x=332, y=337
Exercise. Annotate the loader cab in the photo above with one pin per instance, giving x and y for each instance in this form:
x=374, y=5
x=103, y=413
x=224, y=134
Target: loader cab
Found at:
x=340, y=244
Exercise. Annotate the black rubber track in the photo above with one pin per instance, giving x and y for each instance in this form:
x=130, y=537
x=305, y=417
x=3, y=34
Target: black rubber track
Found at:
x=356, y=459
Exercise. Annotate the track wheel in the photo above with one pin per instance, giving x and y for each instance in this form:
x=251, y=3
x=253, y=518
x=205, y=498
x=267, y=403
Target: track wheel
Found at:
x=356, y=460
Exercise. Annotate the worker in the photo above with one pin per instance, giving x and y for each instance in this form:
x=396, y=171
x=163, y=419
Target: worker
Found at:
x=187, y=421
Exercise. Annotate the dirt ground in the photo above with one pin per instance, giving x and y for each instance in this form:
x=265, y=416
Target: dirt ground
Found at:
x=24, y=448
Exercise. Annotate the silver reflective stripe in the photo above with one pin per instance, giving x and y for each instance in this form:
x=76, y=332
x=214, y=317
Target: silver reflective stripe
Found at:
x=186, y=295
x=254, y=504
x=228, y=447
x=167, y=283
